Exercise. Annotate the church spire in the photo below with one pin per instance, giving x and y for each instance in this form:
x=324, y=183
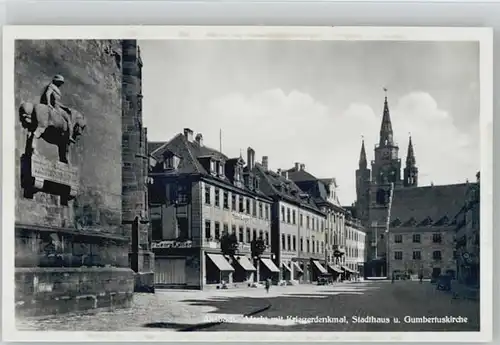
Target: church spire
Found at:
x=410, y=156
x=362, y=156
x=386, y=127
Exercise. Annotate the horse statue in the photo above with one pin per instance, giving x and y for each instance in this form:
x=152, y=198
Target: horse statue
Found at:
x=47, y=123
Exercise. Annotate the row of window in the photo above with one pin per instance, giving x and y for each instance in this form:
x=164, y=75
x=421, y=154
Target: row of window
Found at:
x=289, y=216
x=436, y=238
x=289, y=242
x=352, y=252
x=238, y=203
x=417, y=255
x=353, y=235
x=243, y=236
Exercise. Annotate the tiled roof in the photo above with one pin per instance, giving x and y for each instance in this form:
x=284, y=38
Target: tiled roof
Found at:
x=276, y=185
x=153, y=145
x=426, y=206
x=300, y=175
x=191, y=155
x=312, y=185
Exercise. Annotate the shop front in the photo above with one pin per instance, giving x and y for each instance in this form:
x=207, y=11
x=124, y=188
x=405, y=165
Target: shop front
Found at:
x=318, y=270
x=218, y=270
x=335, y=271
x=244, y=270
x=268, y=270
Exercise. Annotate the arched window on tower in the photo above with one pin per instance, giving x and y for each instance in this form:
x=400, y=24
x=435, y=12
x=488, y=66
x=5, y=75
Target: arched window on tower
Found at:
x=393, y=176
x=381, y=197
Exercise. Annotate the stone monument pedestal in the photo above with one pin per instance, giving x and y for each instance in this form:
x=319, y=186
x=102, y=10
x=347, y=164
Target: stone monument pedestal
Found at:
x=38, y=174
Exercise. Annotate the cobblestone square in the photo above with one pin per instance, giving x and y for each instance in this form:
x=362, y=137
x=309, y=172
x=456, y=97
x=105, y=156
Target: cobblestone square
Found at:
x=292, y=308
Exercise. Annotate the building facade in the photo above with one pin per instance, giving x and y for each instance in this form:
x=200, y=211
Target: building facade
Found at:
x=418, y=220
x=197, y=196
x=72, y=248
x=324, y=194
x=298, y=227
x=467, y=237
x=355, y=244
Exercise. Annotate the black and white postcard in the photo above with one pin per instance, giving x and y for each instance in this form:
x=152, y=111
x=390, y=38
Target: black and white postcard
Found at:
x=258, y=183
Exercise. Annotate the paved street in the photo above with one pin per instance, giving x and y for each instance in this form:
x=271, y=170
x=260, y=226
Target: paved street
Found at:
x=376, y=300
x=171, y=310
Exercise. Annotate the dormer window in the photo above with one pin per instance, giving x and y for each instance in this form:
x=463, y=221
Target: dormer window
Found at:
x=212, y=167
x=250, y=182
x=220, y=168
x=257, y=183
x=171, y=162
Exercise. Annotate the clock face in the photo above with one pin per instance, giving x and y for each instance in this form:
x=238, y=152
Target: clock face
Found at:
x=386, y=154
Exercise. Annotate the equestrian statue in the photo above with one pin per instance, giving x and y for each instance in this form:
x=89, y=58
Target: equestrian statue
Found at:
x=51, y=120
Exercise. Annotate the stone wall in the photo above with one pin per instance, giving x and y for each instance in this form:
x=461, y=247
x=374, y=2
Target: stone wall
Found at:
x=41, y=291
x=77, y=252
x=92, y=70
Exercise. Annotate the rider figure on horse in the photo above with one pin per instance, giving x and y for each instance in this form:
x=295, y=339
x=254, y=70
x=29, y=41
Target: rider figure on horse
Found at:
x=52, y=97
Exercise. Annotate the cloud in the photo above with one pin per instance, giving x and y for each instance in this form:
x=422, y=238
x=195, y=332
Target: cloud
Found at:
x=294, y=127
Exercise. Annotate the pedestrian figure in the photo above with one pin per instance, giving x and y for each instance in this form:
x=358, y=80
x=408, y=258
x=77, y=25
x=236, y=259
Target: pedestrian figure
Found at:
x=392, y=279
x=268, y=284
x=420, y=278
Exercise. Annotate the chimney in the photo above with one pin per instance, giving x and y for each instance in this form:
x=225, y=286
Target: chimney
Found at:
x=285, y=174
x=199, y=139
x=250, y=158
x=278, y=172
x=297, y=166
x=478, y=177
x=265, y=162
x=302, y=167
x=188, y=133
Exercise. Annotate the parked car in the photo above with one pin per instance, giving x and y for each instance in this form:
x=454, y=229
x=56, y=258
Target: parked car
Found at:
x=322, y=281
x=443, y=282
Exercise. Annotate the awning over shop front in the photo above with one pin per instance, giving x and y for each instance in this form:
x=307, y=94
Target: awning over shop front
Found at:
x=347, y=269
x=286, y=266
x=221, y=262
x=320, y=267
x=335, y=268
x=297, y=267
x=270, y=265
x=246, y=264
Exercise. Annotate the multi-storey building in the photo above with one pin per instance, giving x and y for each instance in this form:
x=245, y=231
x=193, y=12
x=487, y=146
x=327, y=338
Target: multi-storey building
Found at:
x=467, y=237
x=197, y=196
x=422, y=229
x=324, y=194
x=298, y=227
x=421, y=218
x=355, y=244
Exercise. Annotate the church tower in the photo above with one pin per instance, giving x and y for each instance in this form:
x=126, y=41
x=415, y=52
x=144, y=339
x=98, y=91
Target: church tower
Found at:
x=363, y=177
x=411, y=170
x=386, y=168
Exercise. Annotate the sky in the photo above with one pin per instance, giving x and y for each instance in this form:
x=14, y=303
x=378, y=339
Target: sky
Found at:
x=312, y=102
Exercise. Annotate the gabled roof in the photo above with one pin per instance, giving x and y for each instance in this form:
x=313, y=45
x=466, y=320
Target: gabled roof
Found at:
x=191, y=156
x=317, y=188
x=430, y=205
x=153, y=145
x=300, y=175
x=276, y=185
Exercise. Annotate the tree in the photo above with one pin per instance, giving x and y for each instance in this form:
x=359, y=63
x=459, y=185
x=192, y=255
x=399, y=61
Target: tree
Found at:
x=229, y=244
x=257, y=246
